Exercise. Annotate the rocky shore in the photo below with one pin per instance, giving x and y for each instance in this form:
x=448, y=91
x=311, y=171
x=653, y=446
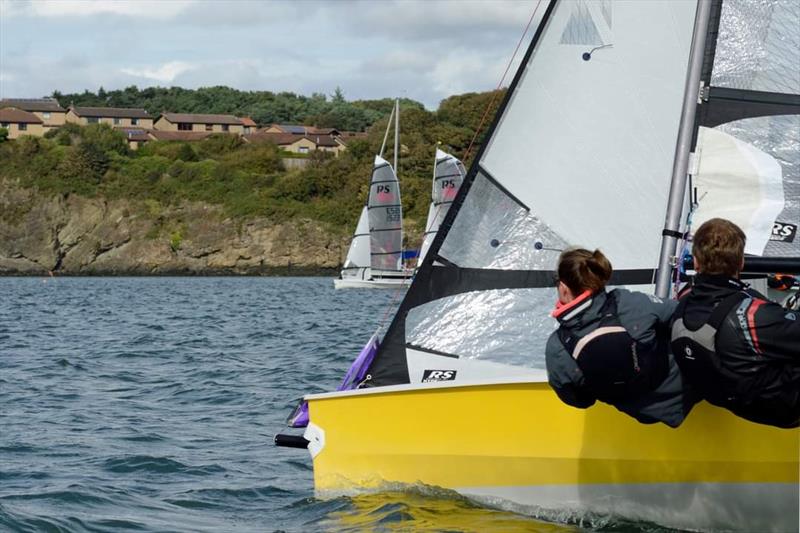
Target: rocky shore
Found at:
x=74, y=235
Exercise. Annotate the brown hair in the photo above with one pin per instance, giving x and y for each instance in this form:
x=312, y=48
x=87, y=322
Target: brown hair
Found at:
x=718, y=247
x=581, y=269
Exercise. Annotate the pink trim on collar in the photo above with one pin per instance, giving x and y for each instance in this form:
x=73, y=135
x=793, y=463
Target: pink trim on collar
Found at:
x=560, y=308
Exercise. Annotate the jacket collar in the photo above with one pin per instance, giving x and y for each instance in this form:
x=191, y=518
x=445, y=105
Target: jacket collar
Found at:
x=564, y=312
x=721, y=281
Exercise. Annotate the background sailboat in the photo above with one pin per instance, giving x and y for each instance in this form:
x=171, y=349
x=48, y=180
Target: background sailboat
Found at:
x=448, y=174
x=603, y=109
x=375, y=257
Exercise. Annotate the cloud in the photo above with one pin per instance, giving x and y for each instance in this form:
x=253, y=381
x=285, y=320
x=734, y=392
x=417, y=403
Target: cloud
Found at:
x=157, y=9
x=166, y=73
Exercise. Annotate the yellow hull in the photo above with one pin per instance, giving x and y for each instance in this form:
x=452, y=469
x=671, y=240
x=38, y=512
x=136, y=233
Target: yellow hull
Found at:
x=519, y=442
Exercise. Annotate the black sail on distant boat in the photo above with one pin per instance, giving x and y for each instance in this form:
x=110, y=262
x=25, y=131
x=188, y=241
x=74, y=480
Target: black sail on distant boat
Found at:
x=597, y=143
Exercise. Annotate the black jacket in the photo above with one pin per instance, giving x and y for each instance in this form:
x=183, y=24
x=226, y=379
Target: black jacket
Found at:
x=759, y=342
x=643, y=317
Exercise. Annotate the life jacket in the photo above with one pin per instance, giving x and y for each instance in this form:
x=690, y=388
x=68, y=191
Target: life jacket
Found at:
x=694, y=348
x=615, y=366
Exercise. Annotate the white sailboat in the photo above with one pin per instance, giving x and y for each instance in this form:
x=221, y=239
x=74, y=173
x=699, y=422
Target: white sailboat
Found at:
x=375, y=257
x=448, y=174
x=591, y=143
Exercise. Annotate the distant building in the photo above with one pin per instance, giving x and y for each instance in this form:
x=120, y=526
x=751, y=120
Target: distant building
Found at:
x=19, y=123
x=299, y=130
x=299, y=143
x=113, y=116
x=47, y=109
x=135, y=136
x=160, y=135
x=249, y=125
x=199, y=123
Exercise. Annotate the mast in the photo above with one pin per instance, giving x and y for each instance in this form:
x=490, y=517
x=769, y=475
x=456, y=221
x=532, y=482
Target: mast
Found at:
x=396, y=132
x=386, y=133
x=677, y=190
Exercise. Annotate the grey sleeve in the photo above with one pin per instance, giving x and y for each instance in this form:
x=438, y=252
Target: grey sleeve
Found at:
x=564, y=375
x=639, y=303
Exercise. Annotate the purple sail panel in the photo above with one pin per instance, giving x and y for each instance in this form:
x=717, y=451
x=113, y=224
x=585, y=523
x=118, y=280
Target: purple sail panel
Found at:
x=355, y=375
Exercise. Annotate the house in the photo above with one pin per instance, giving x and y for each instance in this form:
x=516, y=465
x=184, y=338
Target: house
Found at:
x=47, y=109
x=113, y=116
x=299, y=143
x=19, y=123
x=201, y=123
x=249, y=125
x=135, y=136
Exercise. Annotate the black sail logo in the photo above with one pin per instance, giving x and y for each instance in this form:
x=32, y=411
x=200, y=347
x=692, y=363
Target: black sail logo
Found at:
x=783, y=232
x=438, y=375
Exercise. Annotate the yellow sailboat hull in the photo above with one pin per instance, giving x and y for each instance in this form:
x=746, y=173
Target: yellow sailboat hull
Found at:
x=517, y=442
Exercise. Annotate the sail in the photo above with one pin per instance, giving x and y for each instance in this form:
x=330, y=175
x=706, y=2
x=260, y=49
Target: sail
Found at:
x=358, y=256
x=448, y=173
x=581, y=153
x=748, y=139
x=385, y=218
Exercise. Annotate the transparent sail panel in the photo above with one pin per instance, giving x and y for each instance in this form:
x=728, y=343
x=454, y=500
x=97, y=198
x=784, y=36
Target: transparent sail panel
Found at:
x=779, y=137
x=359, y=253
x=508, y=326
x=448, y=175
x=759, y=46
x=385, y=218
x=491, y=230
x=588, y=139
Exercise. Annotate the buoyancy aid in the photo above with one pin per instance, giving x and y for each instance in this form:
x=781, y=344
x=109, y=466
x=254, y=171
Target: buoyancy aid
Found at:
x=694, y=348
x=615, y=366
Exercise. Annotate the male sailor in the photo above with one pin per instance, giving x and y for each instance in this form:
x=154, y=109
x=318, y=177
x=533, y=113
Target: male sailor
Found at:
x=736, y=348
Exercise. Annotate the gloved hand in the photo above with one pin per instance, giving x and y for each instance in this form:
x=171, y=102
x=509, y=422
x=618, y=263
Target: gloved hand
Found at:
x=792, y=303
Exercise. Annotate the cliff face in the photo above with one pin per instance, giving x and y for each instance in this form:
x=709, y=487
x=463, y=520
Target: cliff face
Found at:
x=74, y=235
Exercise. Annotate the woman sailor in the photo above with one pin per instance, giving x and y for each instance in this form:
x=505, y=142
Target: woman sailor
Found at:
x=613, y=346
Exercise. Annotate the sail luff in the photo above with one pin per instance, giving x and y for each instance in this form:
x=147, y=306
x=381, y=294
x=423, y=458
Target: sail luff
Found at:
x=684, y=145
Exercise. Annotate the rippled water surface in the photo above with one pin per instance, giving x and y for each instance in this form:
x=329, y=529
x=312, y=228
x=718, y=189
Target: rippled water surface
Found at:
x=149, y=404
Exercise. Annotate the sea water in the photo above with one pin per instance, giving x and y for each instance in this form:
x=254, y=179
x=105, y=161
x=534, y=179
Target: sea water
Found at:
x=150, y=404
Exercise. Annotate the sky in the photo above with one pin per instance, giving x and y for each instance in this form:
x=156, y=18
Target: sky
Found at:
x=424, y=50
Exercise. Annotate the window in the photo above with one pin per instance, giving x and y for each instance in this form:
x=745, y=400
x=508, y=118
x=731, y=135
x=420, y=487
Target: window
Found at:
x=46, y=114
x=23, y=127
x=302, y=149
x=116, y=121
x=225, y=127
x=209, y=127
x=134, y=122
x=4, y=125
x=92, y=120
x=183, y=126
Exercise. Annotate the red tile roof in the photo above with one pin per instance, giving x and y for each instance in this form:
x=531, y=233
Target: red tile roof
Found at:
x=33, y=104
x=201, y=119
x=113, y=112
x=247, y=121
x=18, y=116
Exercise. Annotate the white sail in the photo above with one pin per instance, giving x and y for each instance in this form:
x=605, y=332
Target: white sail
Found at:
x=385, y=218
x=358, y=255
x=448, y=174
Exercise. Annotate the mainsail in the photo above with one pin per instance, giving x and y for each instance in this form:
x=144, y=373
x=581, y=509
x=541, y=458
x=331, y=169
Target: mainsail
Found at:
x=595, y=111
x=448, y=173
x=385, y=219
x=748, y=125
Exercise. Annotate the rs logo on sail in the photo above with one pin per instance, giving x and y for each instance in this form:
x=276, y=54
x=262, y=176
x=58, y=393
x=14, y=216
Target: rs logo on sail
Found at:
x=438, y=375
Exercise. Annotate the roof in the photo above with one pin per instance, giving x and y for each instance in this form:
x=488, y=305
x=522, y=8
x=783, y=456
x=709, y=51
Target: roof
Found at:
x=160, y=135
x=18, y=116
x=113, y=112
x=134, y=133
x=33, y=104
x=321, y=131
x=285, y=139
x=202, y=119
x=247, y=121
x=291, y=128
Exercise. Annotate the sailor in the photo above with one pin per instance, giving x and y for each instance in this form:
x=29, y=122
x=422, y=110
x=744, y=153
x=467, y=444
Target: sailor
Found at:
x=738, y=349
x=613, y=346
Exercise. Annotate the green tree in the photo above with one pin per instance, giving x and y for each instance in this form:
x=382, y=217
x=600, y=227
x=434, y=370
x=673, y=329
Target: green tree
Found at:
x=3, y=134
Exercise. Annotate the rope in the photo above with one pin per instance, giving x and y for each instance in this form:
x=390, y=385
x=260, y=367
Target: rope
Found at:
x=500, y=83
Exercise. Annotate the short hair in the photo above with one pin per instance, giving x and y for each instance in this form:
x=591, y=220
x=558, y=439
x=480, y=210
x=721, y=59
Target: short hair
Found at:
x=582, y=270
x=718, y=247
